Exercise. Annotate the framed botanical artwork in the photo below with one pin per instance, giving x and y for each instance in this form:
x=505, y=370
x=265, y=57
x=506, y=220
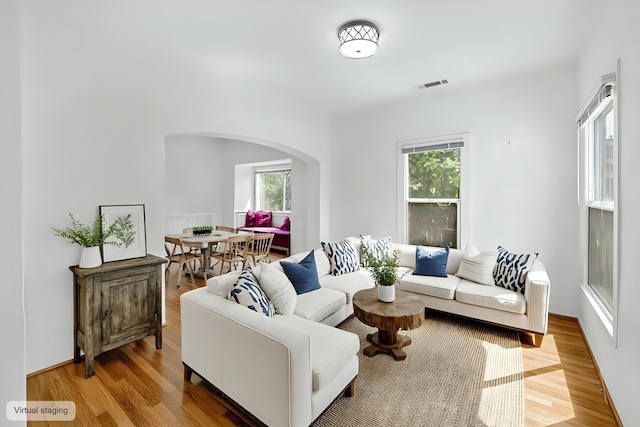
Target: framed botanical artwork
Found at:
x=130, y=237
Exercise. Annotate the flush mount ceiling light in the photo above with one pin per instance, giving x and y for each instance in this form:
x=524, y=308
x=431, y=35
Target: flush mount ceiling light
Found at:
x=358, y=39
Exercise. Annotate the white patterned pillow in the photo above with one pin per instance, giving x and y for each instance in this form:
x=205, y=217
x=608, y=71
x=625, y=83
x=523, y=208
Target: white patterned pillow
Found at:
x=477, y=266
x=343, y=257
x=278, y=288
x=377, y=248
x=247, y=292
x=511, y=269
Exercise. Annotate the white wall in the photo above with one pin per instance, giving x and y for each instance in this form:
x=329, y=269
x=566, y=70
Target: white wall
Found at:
x=208, y=174
x=522, y=167
x=12, y=334
x=619, y=366
x=94, y=134
x=194, y=182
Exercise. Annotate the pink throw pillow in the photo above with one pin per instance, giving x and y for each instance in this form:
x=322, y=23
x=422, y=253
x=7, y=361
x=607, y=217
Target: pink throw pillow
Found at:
x=263, y=219
x=286, y=225
x=250, y=219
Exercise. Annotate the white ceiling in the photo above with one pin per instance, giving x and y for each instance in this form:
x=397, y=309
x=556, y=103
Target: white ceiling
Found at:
x=289, y=48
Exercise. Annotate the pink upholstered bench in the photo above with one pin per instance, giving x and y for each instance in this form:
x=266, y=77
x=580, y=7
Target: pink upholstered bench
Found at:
x=281, y=240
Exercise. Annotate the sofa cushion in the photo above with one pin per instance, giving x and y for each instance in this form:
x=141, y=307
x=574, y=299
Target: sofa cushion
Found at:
x=331, y=349
x=477, y=266
x=431, y=263
x=342, y=256
x=323, y=265
x=441, y=287
x=406, y=254
x=494, y=297
x=357, y=243
x=401, y=271
x=277, y=286
x=221, y=285
x=304, y=275
x=247, y=292
x=319, y=304
x=511, y=269
x=348, y=283
x=376, y=248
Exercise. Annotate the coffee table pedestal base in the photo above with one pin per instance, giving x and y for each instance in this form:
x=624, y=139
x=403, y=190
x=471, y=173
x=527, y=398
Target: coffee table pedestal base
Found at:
x=385, y=342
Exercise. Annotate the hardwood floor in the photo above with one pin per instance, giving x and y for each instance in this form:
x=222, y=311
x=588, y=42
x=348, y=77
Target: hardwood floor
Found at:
x=562, y=386
x=135, y=385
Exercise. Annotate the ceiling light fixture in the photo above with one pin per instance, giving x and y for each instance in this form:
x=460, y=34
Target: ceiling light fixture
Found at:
x=358, y=39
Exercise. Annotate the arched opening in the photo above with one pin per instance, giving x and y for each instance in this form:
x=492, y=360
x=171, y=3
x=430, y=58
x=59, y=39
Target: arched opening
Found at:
x=200, y=177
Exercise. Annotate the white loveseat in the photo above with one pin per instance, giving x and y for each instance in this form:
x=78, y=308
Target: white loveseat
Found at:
x=526, y=312
x=286, y=370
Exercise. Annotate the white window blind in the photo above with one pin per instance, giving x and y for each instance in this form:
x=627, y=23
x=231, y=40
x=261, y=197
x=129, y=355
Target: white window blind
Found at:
x=597, y=99
x=433, y=147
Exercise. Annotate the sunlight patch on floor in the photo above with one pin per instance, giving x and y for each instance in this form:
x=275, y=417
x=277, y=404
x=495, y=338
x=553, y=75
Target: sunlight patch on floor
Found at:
x=552, y=397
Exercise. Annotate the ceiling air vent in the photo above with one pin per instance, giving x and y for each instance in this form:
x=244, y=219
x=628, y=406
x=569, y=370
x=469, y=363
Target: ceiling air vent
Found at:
x=432, y=84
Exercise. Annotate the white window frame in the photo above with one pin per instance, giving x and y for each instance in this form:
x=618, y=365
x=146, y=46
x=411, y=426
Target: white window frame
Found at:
x=403, y=185
x=256, y=187
x=590, y=111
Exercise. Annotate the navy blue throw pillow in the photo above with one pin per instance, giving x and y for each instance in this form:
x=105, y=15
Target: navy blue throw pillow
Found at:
x=431, y=263
x=304, y=275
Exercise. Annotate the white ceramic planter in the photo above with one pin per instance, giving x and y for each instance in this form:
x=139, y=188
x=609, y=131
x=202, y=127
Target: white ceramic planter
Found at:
x=91, y=257
x=386, y=293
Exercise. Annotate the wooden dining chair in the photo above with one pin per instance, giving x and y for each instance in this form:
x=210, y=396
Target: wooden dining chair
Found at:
x=176, y=254
x=235, y=252
x=191, y=249
x=260, y=247
x=219, y=247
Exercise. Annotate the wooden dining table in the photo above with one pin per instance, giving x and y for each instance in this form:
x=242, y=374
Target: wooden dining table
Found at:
x=204, y=243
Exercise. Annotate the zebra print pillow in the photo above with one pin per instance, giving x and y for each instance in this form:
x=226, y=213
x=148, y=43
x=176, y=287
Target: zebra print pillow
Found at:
x=377, y=248
x=247, y=292
x=343, y=257
x=511, y=269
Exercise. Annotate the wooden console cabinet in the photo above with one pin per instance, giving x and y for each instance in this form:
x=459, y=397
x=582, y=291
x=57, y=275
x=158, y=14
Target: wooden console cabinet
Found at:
x=115, y=304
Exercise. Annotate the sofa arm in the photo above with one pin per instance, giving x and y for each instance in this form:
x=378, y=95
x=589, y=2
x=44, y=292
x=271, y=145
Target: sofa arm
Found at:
x=262, y=365
x=537, y=295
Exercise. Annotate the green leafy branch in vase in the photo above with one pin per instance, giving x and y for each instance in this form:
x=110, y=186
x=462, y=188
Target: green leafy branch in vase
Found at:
x=87, y=236
x=125, y=230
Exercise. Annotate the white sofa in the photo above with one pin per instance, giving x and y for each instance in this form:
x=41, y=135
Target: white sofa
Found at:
x=283, y=370
x=492, y=304
x=286, y=370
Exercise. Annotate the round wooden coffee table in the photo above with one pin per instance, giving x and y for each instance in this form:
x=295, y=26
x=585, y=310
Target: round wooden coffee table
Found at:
x=405, y=312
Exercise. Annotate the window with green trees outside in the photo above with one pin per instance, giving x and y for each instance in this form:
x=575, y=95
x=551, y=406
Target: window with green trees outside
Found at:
x=433, y=194
x=273, y=190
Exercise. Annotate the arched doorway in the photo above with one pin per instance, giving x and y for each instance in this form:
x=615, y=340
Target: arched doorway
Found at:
x=200, y=177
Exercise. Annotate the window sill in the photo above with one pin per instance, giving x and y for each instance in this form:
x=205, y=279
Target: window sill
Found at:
x=603, y=314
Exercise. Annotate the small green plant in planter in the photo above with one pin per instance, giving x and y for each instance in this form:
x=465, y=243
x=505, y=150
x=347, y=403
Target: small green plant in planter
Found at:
x=88, y=236
x=202, y=230
x=384, y=270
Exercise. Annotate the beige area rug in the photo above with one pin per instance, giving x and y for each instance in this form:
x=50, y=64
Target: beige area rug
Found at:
x=457, y=373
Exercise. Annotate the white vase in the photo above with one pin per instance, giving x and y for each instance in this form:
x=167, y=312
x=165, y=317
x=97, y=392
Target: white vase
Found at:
x=386, y=293
x=91, y=257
